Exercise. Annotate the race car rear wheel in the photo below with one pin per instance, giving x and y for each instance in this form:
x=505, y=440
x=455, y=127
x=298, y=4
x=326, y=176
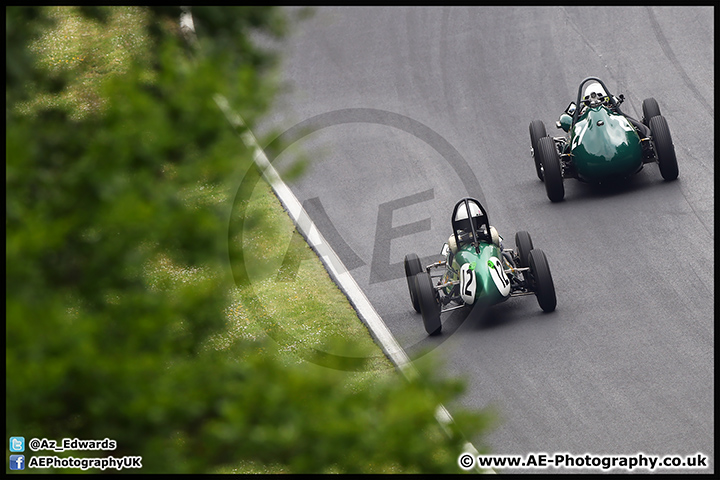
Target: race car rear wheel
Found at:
x=412, y=268
x=524, y=244
x=664, y=147
x=650, y=109
x=542, y=280
x=429, y=300
x=537, y=131
x=552, y=170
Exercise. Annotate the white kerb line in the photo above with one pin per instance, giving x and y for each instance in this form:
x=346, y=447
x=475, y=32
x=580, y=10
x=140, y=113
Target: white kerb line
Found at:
x=316, y=240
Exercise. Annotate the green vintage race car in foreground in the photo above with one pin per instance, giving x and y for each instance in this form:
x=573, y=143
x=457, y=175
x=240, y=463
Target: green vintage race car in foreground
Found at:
x=477, y=269
x=602, y=144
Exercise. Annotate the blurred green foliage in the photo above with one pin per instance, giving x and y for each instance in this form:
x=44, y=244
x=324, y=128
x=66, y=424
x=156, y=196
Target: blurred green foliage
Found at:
x=104, y=339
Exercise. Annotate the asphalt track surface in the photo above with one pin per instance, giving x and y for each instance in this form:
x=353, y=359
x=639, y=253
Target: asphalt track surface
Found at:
x=406, y=110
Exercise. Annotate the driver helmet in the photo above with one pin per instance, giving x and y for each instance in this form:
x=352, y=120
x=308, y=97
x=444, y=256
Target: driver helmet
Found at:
x=462, y=221
x=595, y=95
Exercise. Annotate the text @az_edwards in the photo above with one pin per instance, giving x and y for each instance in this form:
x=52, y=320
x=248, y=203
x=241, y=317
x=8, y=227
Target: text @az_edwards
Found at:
x=37, y=444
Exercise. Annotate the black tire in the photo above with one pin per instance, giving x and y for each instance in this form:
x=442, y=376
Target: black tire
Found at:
x=552, y=170
x=650, y=109
x=429, y=300
x=664, y=147
x=412, y=268
x=524, y=245
x=542, y=280
x=537, y=131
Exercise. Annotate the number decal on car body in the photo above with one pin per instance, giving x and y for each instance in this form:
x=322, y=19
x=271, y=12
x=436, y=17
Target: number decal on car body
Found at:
x=468, y=285
x=502, y=282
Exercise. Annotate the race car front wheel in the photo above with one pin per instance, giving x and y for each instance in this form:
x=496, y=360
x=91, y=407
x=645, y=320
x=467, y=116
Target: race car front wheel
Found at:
x=524, y=244
x=552, y=170
x=537, y=131
x=664, y=147
x=650, y=109
x=412, y=268
x=429, y=300
x=542, y=280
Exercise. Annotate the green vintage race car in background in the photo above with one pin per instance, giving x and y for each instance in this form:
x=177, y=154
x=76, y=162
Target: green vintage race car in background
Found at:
x=477, y=269
x=602, y=144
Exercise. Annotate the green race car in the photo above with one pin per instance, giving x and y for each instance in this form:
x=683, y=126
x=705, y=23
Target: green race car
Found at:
x=477, y=269
x=602, y=144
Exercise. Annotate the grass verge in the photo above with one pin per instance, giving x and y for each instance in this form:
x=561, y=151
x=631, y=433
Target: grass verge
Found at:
x=306, y=304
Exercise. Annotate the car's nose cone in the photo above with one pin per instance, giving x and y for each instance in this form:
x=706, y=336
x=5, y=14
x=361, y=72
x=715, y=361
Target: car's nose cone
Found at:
x=606, y=146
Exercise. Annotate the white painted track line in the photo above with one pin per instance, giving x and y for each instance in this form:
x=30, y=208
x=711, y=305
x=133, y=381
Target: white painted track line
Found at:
x=315, y=239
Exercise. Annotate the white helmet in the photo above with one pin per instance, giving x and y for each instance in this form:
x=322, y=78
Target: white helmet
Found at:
x=462, y=212
x=595, y=94
x=463, y=224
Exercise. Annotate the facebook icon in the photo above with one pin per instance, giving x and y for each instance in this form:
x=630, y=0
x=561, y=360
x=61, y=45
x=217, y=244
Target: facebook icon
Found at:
x=17, y=462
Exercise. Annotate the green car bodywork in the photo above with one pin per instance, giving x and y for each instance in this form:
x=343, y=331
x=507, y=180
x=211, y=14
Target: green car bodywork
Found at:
x=486, y=274
x=604, y=145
